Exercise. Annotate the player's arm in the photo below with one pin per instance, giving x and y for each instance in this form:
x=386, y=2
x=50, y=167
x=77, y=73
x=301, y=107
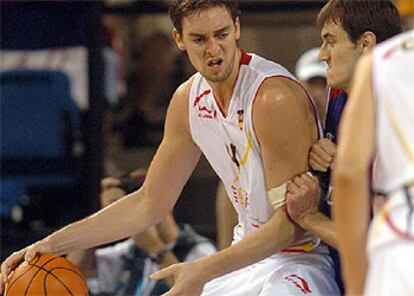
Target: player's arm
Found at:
x=171, y=167
x=302, y=203
x=282, y=128
x=355, y=150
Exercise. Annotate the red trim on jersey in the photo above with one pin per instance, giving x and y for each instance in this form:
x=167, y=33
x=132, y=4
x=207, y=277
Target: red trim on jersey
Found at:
x=333, y=92
x=245, y=58
x=218, y=105
x=288, y=250
x=390, y=52
x=393, y=227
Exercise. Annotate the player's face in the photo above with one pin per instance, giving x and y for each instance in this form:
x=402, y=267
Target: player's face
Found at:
x=210, y=39
x=341, y=55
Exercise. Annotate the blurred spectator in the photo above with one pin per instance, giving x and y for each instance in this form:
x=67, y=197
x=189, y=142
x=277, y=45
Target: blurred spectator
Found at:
x=124, y=268
x=151, y=84
x=312, y=72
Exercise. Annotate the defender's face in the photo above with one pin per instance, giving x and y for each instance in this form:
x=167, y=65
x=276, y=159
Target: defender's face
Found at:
x=341, y=55
x=210, y=39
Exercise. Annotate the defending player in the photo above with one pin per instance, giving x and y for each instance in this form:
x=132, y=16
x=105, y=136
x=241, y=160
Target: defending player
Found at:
x=350, y=28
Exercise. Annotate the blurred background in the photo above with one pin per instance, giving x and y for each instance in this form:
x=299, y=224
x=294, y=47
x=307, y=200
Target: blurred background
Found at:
x=84, y=91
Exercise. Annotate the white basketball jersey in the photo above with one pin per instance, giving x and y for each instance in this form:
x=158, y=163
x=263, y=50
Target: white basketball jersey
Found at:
x=393, y=81
x=393, y=76
x=229, y=142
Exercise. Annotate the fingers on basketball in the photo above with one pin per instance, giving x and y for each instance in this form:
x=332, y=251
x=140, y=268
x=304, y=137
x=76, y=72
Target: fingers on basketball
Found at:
x=46, y=274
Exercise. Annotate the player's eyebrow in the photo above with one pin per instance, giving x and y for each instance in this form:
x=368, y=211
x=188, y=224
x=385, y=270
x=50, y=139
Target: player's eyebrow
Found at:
x=328, y=35
x=193, y=34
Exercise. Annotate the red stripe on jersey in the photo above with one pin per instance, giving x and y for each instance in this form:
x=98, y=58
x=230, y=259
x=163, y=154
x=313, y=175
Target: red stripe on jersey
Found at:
x=333, y=92
x=390, y=52
x=288, y=250
x=245, y=58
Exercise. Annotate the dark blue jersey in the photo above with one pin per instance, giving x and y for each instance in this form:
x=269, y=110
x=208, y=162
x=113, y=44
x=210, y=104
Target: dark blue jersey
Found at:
x=336, y=103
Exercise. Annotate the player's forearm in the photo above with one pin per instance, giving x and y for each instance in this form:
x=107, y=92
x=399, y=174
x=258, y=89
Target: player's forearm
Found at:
x=269, y=239
x=322, y=227
x=125, y=217
x=352, y=223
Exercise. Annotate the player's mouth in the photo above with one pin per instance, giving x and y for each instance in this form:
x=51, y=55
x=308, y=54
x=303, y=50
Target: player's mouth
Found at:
x=215, y=64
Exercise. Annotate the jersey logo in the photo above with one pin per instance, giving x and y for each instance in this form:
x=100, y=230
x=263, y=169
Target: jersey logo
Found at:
x=198, y=99
x=204, y=111
x=232, y=152
x=299, y=283
x=240, y=114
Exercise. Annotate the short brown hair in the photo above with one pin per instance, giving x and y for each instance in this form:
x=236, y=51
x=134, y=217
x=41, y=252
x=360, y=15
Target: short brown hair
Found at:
x=381, y=17
x=182, y=8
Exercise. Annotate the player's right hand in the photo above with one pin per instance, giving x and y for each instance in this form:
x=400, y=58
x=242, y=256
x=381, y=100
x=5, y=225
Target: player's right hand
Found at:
x=322, y=155
x=16, y=258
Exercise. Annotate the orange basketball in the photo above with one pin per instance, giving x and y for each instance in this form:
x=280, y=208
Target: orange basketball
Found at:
x=46, y=274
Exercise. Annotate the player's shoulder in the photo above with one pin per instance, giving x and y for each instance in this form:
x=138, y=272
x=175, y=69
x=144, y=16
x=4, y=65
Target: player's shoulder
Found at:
x=279, y=91
x=183, y=91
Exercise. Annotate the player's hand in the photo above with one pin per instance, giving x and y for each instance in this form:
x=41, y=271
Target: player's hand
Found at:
x=322, y=155
x=16, y=258
x=187, y=279
x=302, y=197
x=167, y=260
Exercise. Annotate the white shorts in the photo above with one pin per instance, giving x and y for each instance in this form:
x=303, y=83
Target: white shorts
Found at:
x=282, y=274
x=391, y=270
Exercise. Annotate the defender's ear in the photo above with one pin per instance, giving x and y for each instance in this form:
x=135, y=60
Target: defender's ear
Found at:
x=367, y=41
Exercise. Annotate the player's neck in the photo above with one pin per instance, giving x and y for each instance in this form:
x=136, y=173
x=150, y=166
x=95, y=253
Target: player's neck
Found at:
x=223, y=90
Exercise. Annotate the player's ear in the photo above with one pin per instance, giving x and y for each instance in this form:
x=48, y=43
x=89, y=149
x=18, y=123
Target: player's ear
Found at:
x=178, y=39
x=237, y=27
x=367, y=41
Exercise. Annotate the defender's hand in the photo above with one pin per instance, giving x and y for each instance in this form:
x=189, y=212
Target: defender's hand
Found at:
x=322, y=155
x=302, y=197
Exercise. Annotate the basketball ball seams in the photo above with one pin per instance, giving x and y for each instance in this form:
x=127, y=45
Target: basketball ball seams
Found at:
x=20, y=276
x=38, y=270
x=56, y=278
x=45, y=275
x=67, y=269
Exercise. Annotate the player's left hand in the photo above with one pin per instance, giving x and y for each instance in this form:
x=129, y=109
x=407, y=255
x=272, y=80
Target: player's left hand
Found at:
x=302, y=197
x=187, y=279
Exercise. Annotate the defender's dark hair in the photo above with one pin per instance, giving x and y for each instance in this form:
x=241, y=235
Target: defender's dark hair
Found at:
x=381, y=17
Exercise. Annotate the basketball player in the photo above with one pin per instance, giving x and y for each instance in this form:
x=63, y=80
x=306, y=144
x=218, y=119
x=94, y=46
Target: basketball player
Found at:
x=350, y=28
x=379, y=117
x=255, y=124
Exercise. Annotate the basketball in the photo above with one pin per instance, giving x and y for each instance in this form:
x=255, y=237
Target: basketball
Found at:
x=46, y=274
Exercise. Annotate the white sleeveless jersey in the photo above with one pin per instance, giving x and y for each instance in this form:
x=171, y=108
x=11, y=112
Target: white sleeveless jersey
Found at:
x=229, y=142
x=393, y=76
x=393, y=82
